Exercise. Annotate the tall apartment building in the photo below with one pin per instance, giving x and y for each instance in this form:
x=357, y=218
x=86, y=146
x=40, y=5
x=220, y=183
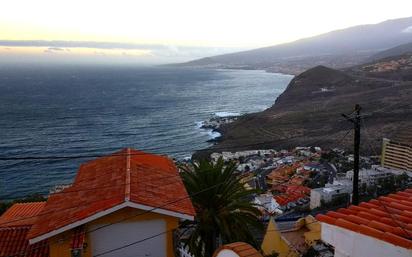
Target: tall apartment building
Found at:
x=397, y=152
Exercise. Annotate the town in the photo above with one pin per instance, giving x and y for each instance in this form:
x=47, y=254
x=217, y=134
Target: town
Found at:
x=303, y=196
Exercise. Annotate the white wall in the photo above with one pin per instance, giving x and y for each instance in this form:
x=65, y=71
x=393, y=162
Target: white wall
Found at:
x=227, y=253
x=121, y=234
x=351, y=244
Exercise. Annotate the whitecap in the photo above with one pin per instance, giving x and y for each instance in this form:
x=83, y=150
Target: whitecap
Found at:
x=226, y=114
x=214, y=134
x=199, y=124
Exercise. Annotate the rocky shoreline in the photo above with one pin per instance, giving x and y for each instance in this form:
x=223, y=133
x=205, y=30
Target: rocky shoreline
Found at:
x=306, y=114
x=215, y=124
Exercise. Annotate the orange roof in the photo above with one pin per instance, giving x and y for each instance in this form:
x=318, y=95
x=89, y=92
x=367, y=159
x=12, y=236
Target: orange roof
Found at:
x=286, y=198
x=388, y=218
x=15, y=224
x=14, y=243
x=240, y=248
x=21, y=214
x=290, y=189
x=128, y=178
x=283, y=171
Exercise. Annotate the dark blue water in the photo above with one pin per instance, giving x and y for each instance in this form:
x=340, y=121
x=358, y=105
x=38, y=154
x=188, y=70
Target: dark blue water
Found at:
x=68, y=110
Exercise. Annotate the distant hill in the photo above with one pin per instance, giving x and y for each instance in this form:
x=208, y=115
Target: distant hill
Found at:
x=337, y=49
x=395, y=51
x=309, y=112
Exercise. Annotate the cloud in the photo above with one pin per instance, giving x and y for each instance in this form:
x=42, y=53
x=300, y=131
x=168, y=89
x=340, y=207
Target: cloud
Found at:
x=79, y=44
x=56, y=49
x=407, y=30
x=160, y=52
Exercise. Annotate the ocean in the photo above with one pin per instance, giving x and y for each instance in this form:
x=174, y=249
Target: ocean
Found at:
x=65, y=110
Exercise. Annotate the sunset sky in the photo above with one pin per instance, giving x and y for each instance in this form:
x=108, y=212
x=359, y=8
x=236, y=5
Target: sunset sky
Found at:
x=169, y=31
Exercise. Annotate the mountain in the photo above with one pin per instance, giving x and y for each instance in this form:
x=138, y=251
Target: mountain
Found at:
x=395, y=51
x=337, y=49
x=308, y=112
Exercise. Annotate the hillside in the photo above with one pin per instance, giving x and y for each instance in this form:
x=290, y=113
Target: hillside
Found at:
x=309, y=111
x=397, y=50
x=336, y=49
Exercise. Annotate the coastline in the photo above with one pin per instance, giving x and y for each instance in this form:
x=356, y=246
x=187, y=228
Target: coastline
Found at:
x=223, y=129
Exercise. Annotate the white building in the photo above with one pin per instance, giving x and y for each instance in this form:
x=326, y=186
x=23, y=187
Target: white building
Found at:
x=267, y=203
x=370, y=229
x=373, y=175
x=328, y=194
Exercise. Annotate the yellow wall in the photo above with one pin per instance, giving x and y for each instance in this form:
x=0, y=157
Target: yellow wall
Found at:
x=313, y=225
x=273, y=242
x=60, y=244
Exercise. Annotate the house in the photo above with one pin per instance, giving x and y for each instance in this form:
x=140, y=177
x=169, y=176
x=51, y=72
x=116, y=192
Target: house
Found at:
x=381, y=227
x=267, y=204
x=290, y=239
x=328, y=194
x=374, y=175
x=114, y=202
x=238, y=249
x=15, y=224
x=292, y=194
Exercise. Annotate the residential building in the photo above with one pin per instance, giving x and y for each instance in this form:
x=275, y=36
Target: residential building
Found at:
x=397, y=152
x=238, y=249
x=380, y=228
x=374, y=175
x=267, y=204
x=15, y=224
x=291, y=239
x=292, y=195
x=328, y=194
x=114, y=201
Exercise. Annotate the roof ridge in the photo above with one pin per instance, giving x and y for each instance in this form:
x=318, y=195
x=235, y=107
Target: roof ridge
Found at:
x=127, y=184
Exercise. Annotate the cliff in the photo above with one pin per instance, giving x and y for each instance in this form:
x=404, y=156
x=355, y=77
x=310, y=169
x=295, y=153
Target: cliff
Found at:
x=308, y=113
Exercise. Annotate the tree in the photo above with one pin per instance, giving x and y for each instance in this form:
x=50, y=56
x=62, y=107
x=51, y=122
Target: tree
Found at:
x=224, y=213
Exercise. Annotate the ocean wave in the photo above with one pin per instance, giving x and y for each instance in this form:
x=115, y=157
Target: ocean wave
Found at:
x=226, y=114
x=199, y=124
x=214, y=134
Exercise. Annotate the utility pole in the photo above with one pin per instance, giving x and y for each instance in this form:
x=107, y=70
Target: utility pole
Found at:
x=356, y=120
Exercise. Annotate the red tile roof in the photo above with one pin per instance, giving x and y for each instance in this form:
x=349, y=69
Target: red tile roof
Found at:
x=13, y=242
x=15, y=224
x=284, y=199
x=128, y=176
x=21, y=214
x=291, y=193
x=388, y=218
x=240, y=248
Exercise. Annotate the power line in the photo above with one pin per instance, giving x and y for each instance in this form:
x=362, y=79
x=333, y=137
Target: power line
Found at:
x=85, y=156
x=399, y=223
x=132, y=216
x=81, y=190
x=134, y=243
x=62, y=157
x=146, y=212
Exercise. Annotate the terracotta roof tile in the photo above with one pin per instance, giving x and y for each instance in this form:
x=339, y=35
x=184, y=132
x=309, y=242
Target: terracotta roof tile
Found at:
x=240, y=248
x=21, y=214
x=387, y=218
x=126, y=176
x=13, y=242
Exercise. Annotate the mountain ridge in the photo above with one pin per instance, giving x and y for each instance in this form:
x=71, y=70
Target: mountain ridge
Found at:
x=308, y=112
x=336, y=49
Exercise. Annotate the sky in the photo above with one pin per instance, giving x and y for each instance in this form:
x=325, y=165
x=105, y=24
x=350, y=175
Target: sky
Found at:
x=165, y=31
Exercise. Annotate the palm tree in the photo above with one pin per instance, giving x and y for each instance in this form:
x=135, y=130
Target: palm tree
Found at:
x=224, y=213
